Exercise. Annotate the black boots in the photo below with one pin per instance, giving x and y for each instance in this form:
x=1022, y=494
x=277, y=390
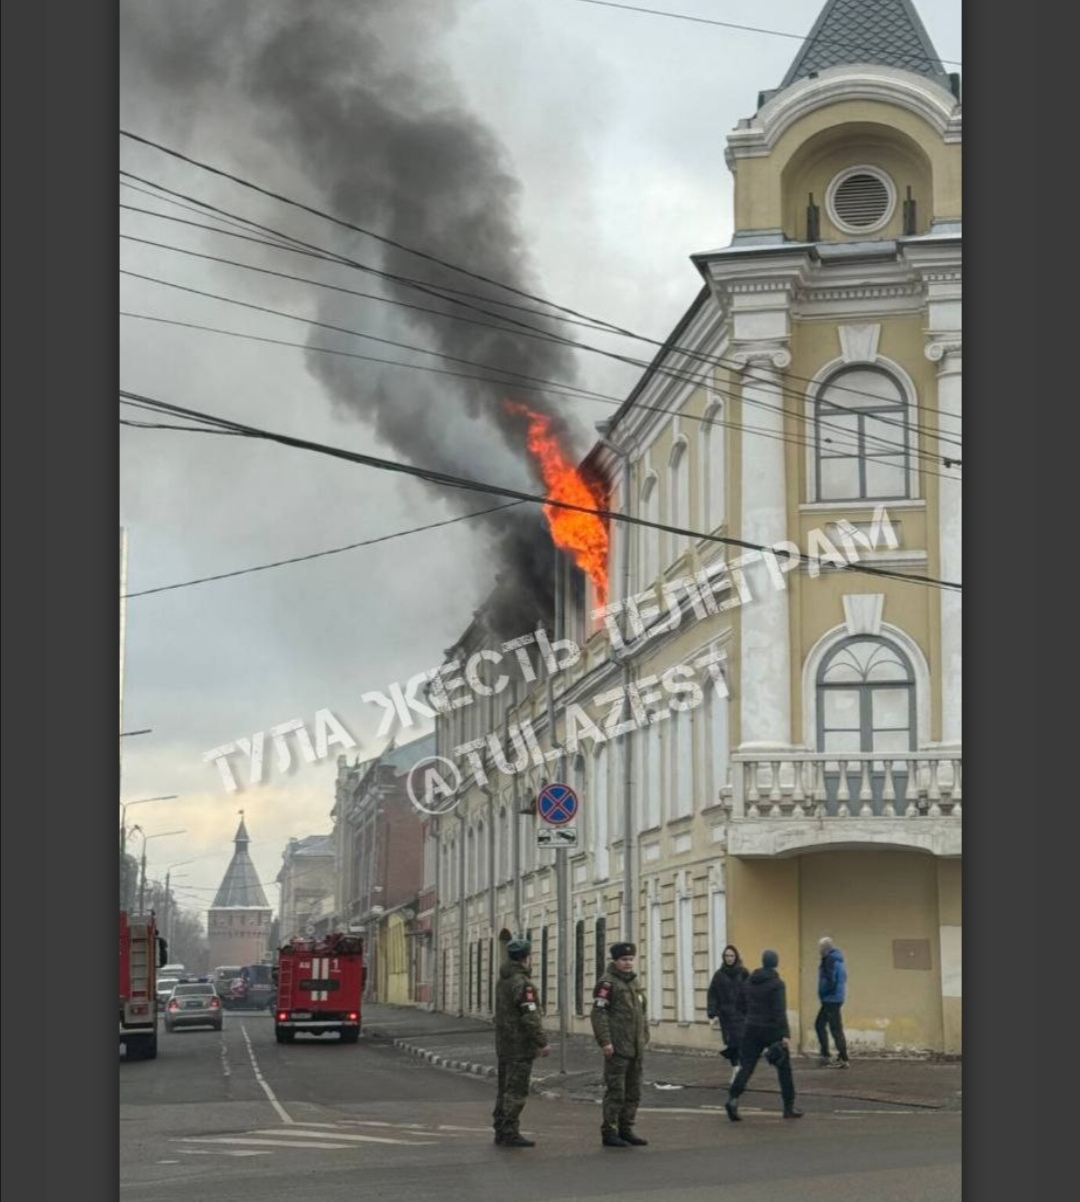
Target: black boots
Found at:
x=791, y=1112
x=633, y=1140
x=514, y=1141
x=610, y=1140
x=732, y=1108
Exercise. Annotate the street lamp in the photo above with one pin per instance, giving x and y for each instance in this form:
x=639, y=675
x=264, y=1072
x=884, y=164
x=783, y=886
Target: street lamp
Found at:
x=142, y=867
x=167, y=922
x=123, y=816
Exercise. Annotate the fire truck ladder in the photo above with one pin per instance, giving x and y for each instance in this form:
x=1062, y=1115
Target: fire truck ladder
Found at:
x=140, y=951
x=285, y=975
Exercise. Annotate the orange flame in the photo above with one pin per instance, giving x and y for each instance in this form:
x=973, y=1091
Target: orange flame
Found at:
x=584, y=535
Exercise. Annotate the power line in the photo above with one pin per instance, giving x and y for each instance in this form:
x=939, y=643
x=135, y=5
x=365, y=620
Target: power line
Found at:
x=279, y=563
x=819, y=423
x=442, y=292
x=553, y=388
x=446, y=480
x=599, y=397
x=299, y=279
x=282, y=241
x=805, y=418
x=777, y=33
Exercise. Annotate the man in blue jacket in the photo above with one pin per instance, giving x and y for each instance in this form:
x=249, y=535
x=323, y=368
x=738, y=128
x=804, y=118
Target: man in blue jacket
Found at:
x=832, y=990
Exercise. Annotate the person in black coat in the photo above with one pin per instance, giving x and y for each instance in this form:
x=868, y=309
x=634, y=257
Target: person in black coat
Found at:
x=766, y=1027
x=725, y=1002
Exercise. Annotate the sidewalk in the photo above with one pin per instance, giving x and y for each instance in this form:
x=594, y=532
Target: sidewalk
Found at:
x=671, y=1076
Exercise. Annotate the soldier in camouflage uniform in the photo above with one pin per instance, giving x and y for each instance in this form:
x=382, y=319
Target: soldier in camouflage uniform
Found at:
x=519, y=1039
x=619, y=1024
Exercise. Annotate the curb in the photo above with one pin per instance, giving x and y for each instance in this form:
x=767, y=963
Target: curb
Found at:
x=470, y=1068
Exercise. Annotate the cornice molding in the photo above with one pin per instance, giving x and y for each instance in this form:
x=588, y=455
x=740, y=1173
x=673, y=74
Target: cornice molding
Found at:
x=941, y=348
x=758, y=135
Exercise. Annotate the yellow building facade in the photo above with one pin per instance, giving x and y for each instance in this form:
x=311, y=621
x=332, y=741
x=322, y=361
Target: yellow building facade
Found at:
x=784, y=659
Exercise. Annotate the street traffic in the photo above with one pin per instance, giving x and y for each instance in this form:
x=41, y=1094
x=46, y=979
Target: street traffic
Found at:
x=235, y=1112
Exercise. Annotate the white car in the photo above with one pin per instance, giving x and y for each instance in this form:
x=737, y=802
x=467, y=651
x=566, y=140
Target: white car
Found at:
x=165, y=986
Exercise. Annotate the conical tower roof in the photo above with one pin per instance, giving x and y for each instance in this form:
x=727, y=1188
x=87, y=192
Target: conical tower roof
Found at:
x=241, y=886
x=888, y=33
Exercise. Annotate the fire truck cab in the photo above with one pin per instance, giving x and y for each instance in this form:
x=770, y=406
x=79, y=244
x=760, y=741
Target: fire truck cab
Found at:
x=319, y=984
x=142, y=952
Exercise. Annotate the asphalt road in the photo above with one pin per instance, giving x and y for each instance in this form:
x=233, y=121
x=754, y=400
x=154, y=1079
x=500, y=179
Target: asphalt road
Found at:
x=237, y=1115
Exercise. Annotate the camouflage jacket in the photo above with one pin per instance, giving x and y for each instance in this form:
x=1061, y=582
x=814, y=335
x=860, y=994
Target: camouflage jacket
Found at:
x=618, y=1013
x=519, y=1024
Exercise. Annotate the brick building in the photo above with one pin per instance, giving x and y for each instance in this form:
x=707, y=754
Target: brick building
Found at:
x=379, y=843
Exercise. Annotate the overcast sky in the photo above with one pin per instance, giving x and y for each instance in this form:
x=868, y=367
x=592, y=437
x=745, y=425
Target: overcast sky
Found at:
x=572, y=149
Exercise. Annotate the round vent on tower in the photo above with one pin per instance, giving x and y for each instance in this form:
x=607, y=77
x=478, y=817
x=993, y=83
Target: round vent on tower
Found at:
x=860, y=200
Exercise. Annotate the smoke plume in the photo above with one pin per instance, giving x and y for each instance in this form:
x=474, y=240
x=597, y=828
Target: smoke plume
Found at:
x=353, y=97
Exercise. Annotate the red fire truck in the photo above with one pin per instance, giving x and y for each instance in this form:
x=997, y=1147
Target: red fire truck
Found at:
x=319, y=983
x=142, y=953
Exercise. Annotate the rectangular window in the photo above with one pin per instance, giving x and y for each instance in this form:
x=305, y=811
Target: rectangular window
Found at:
x=652, y=751
x=685, y=940
x=718, y=937
x=718, y=735
x=655, y=991
x=682, y=764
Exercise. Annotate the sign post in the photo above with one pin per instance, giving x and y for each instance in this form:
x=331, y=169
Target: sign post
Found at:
x=557, y=807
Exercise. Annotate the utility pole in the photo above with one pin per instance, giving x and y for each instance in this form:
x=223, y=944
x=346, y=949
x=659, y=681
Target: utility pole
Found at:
x=561, y=883
x=142, y=879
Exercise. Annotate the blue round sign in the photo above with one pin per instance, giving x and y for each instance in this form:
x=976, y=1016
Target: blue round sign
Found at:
x=557, y=804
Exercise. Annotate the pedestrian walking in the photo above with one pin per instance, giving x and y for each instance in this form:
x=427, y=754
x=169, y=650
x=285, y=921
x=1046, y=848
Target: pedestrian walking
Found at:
x=726, y=1003
x=621, y=1029
x=766, y=1031
x=832, y=991
x=519, y=1038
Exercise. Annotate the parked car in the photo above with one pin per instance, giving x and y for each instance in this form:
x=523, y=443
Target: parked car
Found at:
x=253, y=989
x=194, y=1004
x=165, y=986
x=222, y=978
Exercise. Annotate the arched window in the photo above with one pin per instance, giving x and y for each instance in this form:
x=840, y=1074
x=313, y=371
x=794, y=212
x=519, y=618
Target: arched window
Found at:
x=600, y=802
x=649, y=536
x=504, y=869
x=470, y=862
x=678, y=499
x=718, y=739
x=681, y=764
x=712, y=474
x=482, y=851
x=862, y=441
x=865, y=703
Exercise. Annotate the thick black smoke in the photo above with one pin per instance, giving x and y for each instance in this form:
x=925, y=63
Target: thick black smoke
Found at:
x=352, y=95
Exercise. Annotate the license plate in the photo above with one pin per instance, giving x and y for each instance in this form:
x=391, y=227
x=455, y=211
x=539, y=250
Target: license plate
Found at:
x=301, y=1014
x=195, y=1004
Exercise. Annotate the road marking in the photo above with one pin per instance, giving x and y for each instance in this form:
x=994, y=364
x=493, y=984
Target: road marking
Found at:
x=419, y=1128
x=208, y=1152
x=261, y=1143
x=282, y=1113
x=862, y=1112
x=225, y=1057
x=355, y=1138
